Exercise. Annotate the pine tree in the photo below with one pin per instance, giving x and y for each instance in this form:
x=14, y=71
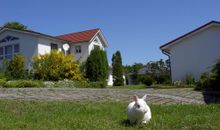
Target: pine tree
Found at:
x=117, y=69
x=96, y=68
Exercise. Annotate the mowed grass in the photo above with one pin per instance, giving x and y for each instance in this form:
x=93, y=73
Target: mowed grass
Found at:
x=103, y=116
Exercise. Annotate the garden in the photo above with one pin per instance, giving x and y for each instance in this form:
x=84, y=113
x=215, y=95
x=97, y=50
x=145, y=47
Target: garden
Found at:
x=55, y=70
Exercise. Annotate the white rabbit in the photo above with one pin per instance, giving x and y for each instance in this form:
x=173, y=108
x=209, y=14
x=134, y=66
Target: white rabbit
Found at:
x=139, y=111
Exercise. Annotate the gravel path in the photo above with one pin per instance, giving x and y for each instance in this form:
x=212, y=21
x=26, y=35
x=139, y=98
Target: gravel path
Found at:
x=154, y=96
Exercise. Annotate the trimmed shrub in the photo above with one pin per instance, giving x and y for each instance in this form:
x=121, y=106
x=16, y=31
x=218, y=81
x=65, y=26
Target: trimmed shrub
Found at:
x=96, y=67
x=55, y=66
x=23, y=84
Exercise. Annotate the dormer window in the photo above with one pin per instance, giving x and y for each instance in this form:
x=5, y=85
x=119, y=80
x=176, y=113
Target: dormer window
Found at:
x=78, y=49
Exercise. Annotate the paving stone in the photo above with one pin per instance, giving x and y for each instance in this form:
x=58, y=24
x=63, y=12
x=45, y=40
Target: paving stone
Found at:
x=154, y=96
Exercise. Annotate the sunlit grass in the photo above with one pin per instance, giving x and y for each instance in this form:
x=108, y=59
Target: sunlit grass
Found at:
x=103, y=116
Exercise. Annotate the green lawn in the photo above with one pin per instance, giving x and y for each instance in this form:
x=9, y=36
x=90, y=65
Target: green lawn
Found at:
x=103, y=116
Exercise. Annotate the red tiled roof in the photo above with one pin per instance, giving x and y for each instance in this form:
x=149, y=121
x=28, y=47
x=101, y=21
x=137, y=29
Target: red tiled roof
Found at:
x=83, y=36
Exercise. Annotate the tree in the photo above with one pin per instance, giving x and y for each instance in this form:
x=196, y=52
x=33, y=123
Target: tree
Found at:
x=96, y=67
x=159, y=71
x=117, y=69
x=15, y=25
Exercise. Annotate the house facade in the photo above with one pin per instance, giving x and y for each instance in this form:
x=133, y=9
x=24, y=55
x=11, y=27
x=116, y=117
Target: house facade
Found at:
x=195, y=52
x=30, y=43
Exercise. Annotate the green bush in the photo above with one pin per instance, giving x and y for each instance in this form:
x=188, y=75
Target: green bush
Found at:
x=117, y=69
x=15, y=68
x=85, y=84
x=96, y=66
x=23, y=84
x=55, y=66
x=210, y=81
x=81, y=84
x=190, y=80
x=99, y=84
x=2, y=82
x=146, y=79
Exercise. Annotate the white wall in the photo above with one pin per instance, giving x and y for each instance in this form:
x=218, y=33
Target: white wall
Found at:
x=86, y=48
x=30, y=45
x=44, y=45
x=196, y=54
x=84, y=51
x=98, y=43
x=27, y=43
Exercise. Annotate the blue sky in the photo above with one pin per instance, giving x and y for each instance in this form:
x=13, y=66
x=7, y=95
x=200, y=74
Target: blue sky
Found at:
x=135, y=27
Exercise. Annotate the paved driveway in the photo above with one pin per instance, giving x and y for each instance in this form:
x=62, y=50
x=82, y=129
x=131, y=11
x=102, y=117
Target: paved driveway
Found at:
x=155, y=96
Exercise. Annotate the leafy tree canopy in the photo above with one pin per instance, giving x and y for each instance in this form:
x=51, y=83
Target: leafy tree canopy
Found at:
x=15, y=25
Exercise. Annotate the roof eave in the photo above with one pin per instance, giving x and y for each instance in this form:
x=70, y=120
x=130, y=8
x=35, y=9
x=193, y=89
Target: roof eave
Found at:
x=32, y=33
x=205, y=26
x=102, y=36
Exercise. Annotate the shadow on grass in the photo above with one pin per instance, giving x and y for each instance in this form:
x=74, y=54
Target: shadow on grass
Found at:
x=211, y=97
x=126, y=123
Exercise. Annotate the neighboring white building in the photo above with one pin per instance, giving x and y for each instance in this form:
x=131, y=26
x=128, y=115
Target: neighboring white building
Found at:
x=30, y=43
x=82, y=43
x=195, y=52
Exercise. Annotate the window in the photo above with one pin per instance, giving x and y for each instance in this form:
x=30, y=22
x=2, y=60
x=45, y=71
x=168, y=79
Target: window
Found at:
x=78, y=49
x=8, y=52
x=1, y=53
x=96, y=40
x=54, y=46
x=16, y=48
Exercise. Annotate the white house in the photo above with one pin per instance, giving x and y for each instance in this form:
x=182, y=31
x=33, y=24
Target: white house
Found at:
x=30, y=43
x=195, y=52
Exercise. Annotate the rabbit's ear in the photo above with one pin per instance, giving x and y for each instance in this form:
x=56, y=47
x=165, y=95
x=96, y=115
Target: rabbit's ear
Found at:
x=144, y=97
x=135, y=98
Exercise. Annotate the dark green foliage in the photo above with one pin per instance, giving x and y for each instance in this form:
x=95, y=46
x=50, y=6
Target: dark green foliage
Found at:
x=2, y=82
x=15, y=25
x=159, y=71
x=146, y=79
x=15, y=68
x=210, y=81
x=133, y=68
x=117, y=69
x=84, y=84
x=23, y=84
x=96, y=68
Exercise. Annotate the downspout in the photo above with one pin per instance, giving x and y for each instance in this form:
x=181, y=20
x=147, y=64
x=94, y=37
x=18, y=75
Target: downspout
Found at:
x=168, y=54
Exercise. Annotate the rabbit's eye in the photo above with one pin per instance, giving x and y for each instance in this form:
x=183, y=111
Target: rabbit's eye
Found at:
x=138, y=106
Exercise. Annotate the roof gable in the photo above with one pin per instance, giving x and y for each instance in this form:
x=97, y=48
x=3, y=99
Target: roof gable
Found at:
x=197, y=30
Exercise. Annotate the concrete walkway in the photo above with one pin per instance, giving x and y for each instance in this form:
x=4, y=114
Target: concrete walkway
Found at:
x=155, y=96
